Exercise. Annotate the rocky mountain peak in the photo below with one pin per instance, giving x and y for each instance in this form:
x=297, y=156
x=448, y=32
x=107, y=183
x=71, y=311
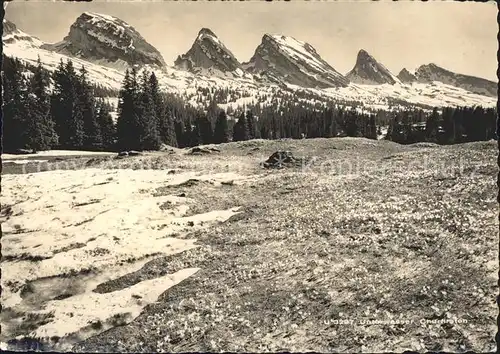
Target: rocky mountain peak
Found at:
x=368, y=70
x=108, y=40
x=406, y=76
x=8, y=27
x=208, y=55
x=206, y=32
x=432, y=72
x=281, y=58
x=12, y=34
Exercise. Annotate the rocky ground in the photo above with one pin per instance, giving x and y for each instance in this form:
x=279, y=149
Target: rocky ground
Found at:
x=305, y=258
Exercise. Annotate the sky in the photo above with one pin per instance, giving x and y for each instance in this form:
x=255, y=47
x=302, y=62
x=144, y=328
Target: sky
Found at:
x=460, y=37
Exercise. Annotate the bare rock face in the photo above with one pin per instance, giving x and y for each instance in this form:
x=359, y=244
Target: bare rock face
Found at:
x=12, y=34
x=208, y=55
x=8, y=27
x=432, y=72
x=107, y=40
x=368, y=71
x=406, y=77
x=284, y=59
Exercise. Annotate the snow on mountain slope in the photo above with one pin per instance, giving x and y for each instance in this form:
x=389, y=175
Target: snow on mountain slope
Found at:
x=285, y=59
x=209, y=56
x=28, y=48
x=368, y=71
x=435, y=94
x=11, y=34
x=108, y=40
x=282, y=65
x=432, y=72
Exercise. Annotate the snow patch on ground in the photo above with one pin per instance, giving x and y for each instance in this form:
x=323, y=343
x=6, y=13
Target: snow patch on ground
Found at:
x=106, y=223
x=73, y=314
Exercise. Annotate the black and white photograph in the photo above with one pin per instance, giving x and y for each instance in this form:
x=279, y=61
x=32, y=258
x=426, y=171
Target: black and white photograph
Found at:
x=249, y=176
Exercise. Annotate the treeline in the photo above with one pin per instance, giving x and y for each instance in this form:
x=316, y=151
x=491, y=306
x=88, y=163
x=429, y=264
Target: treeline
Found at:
x=147, y=118
x=70, y=117
x=289, y=119
x=450, y=126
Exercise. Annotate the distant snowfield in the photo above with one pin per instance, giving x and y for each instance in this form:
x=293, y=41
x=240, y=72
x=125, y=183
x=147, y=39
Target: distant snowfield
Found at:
x=82, y=228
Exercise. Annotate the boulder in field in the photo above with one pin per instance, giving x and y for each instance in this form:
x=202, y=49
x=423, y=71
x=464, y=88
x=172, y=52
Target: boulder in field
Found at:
x=167, y=148
x=197, y=150
x=281, y=159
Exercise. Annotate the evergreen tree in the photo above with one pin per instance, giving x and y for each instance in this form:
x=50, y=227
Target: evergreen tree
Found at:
x=127, y=124
x=330, y=129
x=371, y=130
x=432, y=126
x=250, y=122
x=165, y=120
x=149, y=138
x=108, y=129
x=39, y=131
x=195, y=136
x=204, y=128
x=448, y=125
x=180, y=134
x=240, y=129
x=68, y=120
x=13, y=118
x=85, y=107
x=221, y=133
x=189, y=138
x=351, y=124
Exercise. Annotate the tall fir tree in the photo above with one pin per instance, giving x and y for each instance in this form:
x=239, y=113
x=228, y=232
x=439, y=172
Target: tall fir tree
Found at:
x=221, y=132
x=180, y=133
x=204, y=128
x=164, y=116
x=39, y=132
x=13, y=117
x=371, y=129
x=127, y=125
x=68, y=120
x=188, y=133
x=86, y=106
x=108, y=129
x=432, y=126
x=251, y=125
x=149, y=137
x=240, y=129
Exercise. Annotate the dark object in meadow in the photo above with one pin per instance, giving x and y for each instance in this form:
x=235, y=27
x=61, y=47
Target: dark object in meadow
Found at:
x=281, y=159
x=202, y=150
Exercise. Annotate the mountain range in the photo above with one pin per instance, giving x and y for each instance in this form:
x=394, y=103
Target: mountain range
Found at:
x=107, y=45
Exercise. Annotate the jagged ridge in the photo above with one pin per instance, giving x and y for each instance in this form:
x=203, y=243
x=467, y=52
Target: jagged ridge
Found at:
x=432, y=72
x=406, y=77
x=370, y=72
x=281, y=58
x=108, y=40
x=208, y=55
